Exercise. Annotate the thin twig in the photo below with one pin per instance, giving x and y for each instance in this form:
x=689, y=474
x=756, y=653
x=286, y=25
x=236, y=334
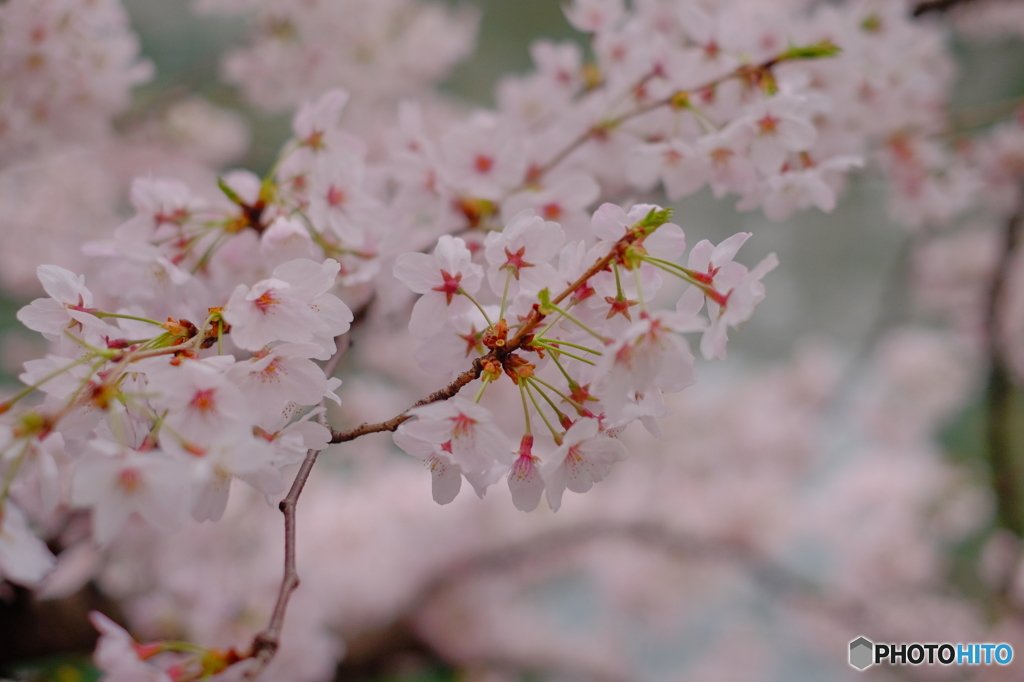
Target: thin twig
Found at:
x=497, y=355
x=614, y=122
x=999, y=393
x=774, y=578
x=937, y=6
x=265, y=644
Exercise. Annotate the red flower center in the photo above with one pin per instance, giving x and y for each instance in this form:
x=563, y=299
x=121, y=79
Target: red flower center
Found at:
x=451, y=285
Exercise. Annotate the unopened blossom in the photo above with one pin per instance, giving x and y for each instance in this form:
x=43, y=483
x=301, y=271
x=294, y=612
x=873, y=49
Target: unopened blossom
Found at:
x=524, y=478
x=115, y=482
x=584, y=458
x=441, y=278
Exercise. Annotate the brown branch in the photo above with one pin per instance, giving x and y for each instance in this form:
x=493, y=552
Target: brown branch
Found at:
x=266, y=642
x=520, y=339
x=603, y=127
x=445, y=393
x=774, y=578
x=936, y=6
x=1006, y=482
x=371, y=650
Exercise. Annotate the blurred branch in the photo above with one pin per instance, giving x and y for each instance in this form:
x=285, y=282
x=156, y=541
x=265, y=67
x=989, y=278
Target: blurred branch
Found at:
x=775, y=579
x=937, y=6
x=999, y=393
x=888, y=311
x=965, y=122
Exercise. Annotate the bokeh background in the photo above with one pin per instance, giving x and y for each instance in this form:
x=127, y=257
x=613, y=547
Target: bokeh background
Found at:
x=842, y=284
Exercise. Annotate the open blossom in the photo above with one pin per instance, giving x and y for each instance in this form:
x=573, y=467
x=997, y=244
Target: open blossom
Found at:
x=339, y=203
x=284, y=374
x=441, y=278
x=648, y=355
x=779, y=126
x=317, y=119
x=231, y=453
x=674, y=162
x=482, y=158
x=466, y=429
x=445, y=474
x=584, y=458
x=68, y=308
x=200, y=401
x=527, y=243
x=293, y=305
x=744, y=291
x=592, y=16
x=115, y=482
x=117, y=654
x=610, y=224
x=24, y=558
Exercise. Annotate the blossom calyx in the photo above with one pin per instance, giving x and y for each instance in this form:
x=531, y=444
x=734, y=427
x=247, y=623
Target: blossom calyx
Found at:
x=517, y=367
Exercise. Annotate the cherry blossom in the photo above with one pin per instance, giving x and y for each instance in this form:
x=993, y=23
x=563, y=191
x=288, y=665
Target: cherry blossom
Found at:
x=115, y=482
x=468, y=430
x=293, y=305
x=441, y=278
x=584, y=458
x=68, y=308
x=24, y=558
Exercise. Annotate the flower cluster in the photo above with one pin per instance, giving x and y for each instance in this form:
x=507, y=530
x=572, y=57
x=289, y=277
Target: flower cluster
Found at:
x=586, y=351
x=153, y=417
x=67, y=66
x=522, y=250
x=377, y=49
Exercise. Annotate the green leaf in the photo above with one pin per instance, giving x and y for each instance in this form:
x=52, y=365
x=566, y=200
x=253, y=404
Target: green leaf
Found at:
x=825, y=48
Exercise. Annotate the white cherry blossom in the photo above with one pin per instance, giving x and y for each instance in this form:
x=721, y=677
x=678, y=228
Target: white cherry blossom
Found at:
x=441, y=278
x=584, y=458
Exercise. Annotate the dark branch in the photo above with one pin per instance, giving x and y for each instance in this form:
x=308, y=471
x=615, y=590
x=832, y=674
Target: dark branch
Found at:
x=937, y=6
x=265, y=644
x=999, y=394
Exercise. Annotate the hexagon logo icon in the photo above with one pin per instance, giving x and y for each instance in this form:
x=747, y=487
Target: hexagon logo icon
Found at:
x=861, y=653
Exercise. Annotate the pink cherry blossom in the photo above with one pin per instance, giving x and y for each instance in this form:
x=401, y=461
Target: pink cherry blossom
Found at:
x=115, y=482
x=441, y=278
x=584, y=458
x=468, y=429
